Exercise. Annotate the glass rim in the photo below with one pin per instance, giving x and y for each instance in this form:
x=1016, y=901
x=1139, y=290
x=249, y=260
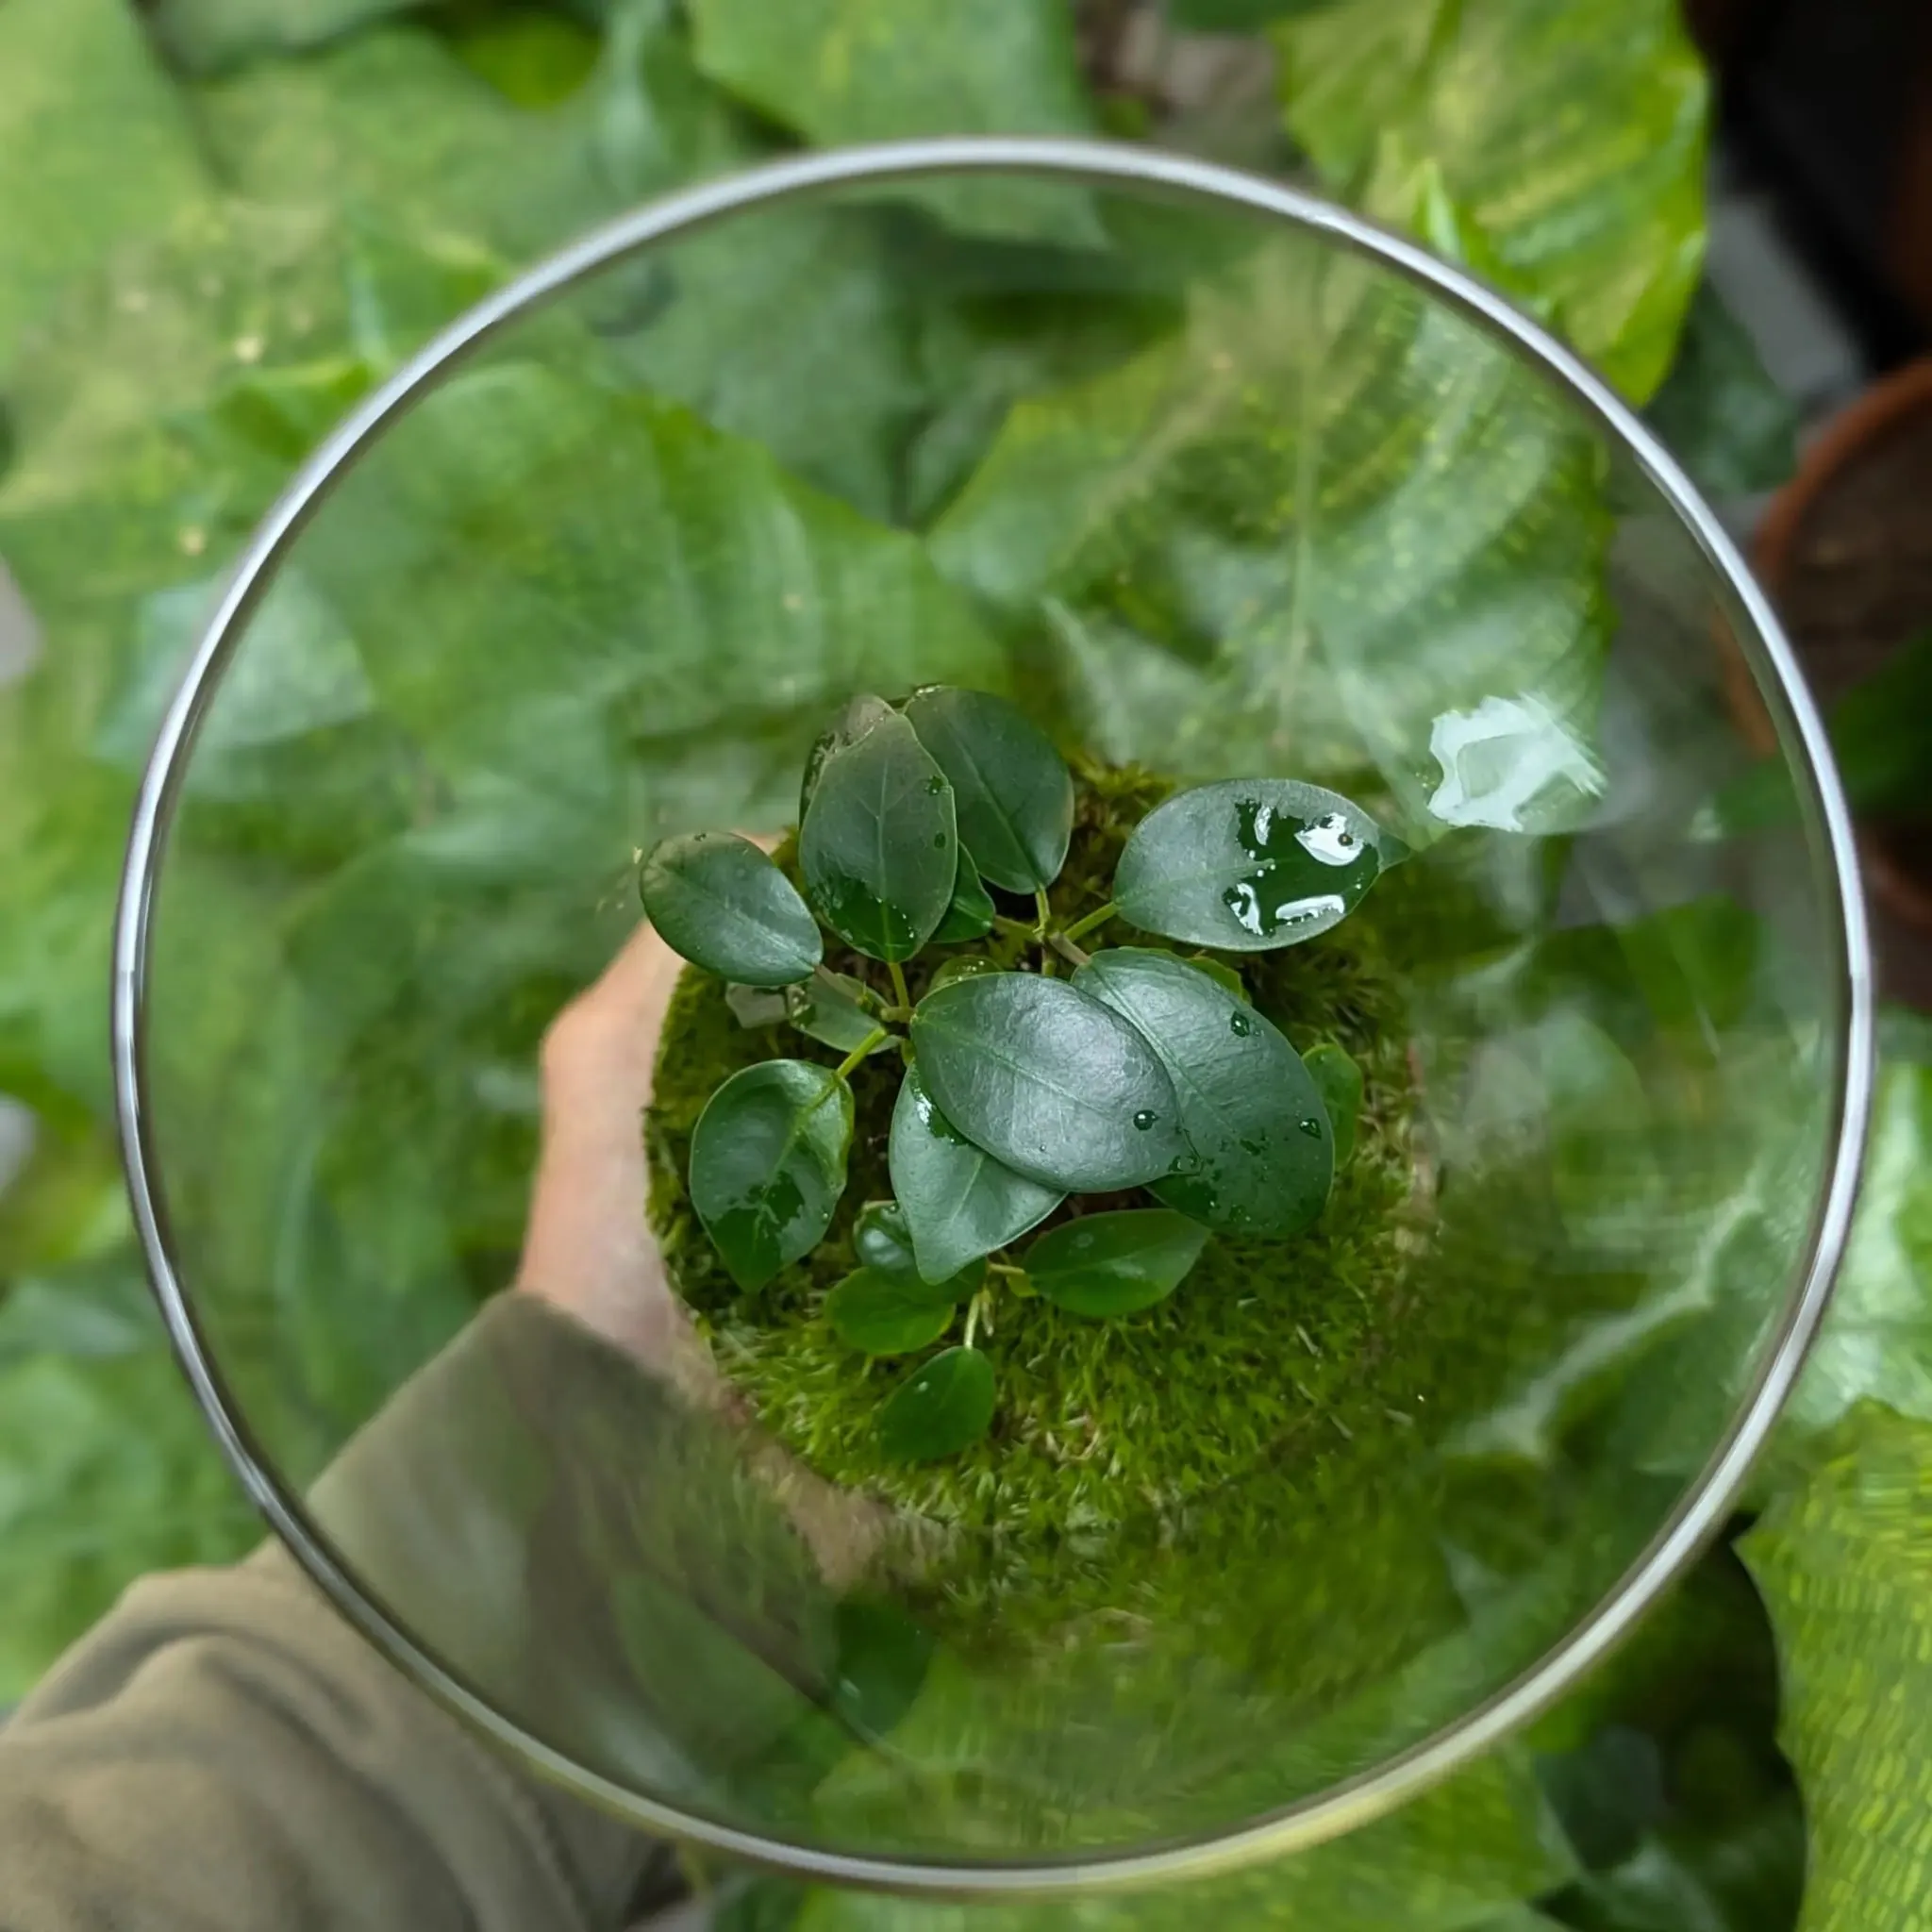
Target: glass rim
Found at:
x=1699, y=1511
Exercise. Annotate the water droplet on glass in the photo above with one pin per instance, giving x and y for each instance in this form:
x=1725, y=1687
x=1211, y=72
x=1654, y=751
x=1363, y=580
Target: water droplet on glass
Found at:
x=1310, y=1126
x=1145, y=1118
x=1241, y=1023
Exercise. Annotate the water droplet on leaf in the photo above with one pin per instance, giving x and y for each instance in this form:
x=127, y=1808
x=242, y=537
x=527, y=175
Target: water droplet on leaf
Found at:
x=1241, y=1023
x=1145, y=1118
x=1310, y=1126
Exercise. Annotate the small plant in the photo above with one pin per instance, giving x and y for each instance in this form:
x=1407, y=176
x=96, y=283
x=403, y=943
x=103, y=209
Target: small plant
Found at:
x=1035, y=1070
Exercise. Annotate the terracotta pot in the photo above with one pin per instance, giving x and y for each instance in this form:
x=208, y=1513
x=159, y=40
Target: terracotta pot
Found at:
x=1845, y=553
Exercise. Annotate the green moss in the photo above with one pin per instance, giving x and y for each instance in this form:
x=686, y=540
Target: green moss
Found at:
x=1227, y=1407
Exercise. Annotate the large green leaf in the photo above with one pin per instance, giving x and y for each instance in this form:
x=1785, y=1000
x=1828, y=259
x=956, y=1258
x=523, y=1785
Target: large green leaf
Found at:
x=94, y=150
x=1104, y=1265
x=720, y=902
x=1559, y=150
x=844, y=71
x=768, y=1164
x=1327, y=528
x=1248, y=865
x=1049, y=1080
x=1253, y=1118
x=1845, y=1564
x=960, y=1203
x=1011, y=789
x=877, y=851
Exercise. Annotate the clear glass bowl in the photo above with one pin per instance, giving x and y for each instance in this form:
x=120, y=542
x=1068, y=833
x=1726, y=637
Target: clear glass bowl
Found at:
x=1219, y=480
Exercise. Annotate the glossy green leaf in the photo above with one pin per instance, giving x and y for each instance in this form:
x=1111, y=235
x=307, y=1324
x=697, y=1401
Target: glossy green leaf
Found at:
x=768, y=1165
x=1844, y=1562
x=95, y=150
x=844, y=70
x=959, y=1204
x=970, y=914
x=877, y=851
x=1560, y=152
x=941, y=1407
x=887, y=1314
x=883, y=1243
x=1114, y=1264
x=835, y=1009
x=1718, y=411
x=1248, y=865
x=858, y=716
x=1049, y=1080
x=1260, y=1155
x=721, y=904
x=1012, y=790
x=1339, y=1079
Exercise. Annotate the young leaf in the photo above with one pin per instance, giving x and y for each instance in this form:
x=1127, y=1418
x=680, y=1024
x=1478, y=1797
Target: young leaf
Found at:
x=877, y=849
x=1049, y=1080
x=1340, y=1081
x=719, y=900
x=754, y=1007
x=884, y=1244
x=1114, y=1264
x=845, y=731
x=1248, y=865
x=966, y=966
x=768, y=1165
x=970, y=915
x=832, y=1007
x=1252, y=1116
x=883, y=1314
x=942, y=1406
x=1013, y=792
x=959, y=1204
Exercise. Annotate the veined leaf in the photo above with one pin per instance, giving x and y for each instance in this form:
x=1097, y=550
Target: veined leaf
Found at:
x=877, y=850
x=834, y=1010
x=768, y=1165
x=1319, y=532
x=1261, y=1158
x=1012, y=790
x=1114, y=1264
x=1844, y=1562
x=885, y=1314
x=722, y=904
x=860, y=715
x=1563, y=150
x=960, y=1203
x=1049, y=1080
x=1248, y=865
x=939, y=1407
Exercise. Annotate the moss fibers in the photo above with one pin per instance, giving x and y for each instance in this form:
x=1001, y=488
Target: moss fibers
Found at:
x=1223, y=1413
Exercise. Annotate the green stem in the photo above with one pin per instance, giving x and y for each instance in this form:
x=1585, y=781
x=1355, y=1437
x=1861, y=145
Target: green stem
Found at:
x=900, y=995
x=860, y=1052
x=1003, y=1268
x=1067, y=949
x=1013, y=927
x=1081, y=927
x=1044, y=911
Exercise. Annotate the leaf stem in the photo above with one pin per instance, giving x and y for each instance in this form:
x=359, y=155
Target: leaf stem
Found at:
x=1081, y=927
x=900, y=995
x=1044, y=911
x=1068, y=951
x=1003, y=1268
x=972, y=1320
x=1014, y=927
x=860, y=1052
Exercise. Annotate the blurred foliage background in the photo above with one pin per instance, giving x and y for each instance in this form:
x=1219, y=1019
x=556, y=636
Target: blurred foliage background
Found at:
x=223, y=221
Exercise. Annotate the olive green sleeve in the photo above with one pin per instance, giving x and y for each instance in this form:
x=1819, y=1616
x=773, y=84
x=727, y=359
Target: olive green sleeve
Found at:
x=225, y=1750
